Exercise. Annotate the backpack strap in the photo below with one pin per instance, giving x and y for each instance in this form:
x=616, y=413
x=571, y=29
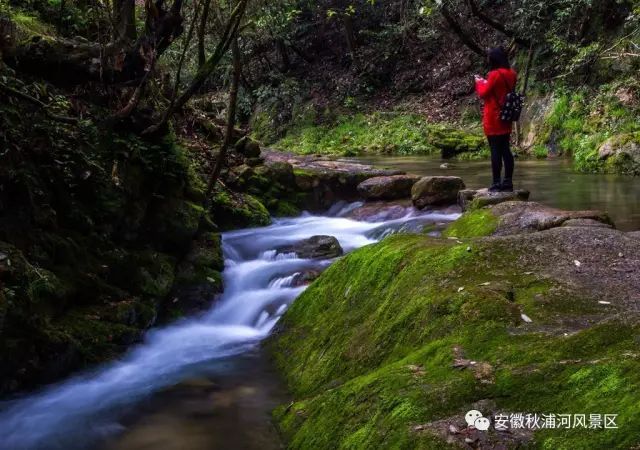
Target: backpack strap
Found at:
x=504, y=81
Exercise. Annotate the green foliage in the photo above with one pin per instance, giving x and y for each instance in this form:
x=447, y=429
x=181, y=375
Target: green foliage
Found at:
x=381, y=133
x=581, y=121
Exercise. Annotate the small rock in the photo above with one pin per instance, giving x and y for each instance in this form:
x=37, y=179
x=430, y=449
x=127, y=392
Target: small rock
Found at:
x=461, y=288
x=460, y=363
x=254, y=162
x=602, y=302
x=577, y=263
x=526, y=318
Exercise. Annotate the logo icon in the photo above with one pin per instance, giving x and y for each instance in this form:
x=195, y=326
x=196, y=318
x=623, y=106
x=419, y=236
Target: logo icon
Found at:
x=475, y=419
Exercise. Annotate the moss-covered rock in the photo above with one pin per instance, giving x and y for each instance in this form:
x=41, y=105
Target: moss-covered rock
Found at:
x=248, y=147
x=622, y=153
x=594, y=126
x=476, y=223
x=231, y=209
x=371, y=349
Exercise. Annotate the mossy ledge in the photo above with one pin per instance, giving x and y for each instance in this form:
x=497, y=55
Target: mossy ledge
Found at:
x=368, y=350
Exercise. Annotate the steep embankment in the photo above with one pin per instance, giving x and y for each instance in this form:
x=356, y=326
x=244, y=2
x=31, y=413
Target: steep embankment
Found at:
x=97, y=228
x=394, y=343
x=104, y=233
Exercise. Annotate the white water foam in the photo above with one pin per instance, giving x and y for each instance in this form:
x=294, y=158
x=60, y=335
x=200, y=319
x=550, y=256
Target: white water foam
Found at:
x=77, y=412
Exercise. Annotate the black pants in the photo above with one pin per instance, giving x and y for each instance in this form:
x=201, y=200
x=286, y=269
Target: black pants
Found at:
x=501, y=151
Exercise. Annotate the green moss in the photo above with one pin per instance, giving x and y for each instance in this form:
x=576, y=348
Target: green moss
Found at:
x=580, y=122
x=237, y=210
x=27, y=25
x=381, y=133
x=474, y=223
x=368, y=348
x=155, y=274
x=284, y=208
x=96, y=339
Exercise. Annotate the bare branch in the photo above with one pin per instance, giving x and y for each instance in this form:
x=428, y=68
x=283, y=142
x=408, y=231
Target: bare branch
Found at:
x=455, y=26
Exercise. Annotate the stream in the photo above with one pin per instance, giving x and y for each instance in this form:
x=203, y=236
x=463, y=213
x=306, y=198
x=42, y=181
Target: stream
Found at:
x=552, y=182
x=202, y=382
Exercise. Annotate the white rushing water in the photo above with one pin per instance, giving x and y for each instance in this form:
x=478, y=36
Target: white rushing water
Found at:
x=259, y=286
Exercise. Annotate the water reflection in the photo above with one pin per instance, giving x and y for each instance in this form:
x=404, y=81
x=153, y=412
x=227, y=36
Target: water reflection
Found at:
x=552, y=182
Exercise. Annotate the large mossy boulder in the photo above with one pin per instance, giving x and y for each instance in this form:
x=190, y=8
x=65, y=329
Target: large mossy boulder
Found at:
x=387, y=188
x=394, y=343
x=247, y=147
x=622, y=153
x=433, y=191
x=231, y=209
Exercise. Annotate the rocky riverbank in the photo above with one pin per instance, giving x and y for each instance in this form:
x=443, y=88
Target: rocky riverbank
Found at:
x=107, y=236
x=517, y=308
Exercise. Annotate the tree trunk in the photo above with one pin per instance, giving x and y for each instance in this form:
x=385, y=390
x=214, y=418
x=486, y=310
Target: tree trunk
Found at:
x=202, y=57
x=231, y=120
x=284, y=54
x=352, y=45
x=494, y=24
x=464, y=37
x=228, y=36
x=124, y=20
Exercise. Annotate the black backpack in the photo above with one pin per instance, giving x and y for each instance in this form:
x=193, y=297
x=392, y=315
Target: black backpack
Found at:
x=511, y=110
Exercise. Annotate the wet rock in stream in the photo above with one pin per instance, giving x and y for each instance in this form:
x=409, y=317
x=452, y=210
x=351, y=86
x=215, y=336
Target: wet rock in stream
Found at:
x=316, y=247
x=387, y=188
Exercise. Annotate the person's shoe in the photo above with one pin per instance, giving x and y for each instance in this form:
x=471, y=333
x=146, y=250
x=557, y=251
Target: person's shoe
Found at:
x=506, y=186
x=495, y=187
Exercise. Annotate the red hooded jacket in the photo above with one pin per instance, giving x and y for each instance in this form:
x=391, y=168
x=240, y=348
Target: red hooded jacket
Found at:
x=493, y=91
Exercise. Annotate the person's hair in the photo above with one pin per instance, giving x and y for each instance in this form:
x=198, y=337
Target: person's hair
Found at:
x=498, y=58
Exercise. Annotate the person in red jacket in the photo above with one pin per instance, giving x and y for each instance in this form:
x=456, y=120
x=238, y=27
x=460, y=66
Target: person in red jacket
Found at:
x=500, y=81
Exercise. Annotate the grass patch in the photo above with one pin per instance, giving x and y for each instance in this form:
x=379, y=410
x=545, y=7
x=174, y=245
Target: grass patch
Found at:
x=380, y=133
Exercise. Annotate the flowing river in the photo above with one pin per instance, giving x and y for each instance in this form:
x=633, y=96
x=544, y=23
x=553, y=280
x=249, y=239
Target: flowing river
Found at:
x=201, y=383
